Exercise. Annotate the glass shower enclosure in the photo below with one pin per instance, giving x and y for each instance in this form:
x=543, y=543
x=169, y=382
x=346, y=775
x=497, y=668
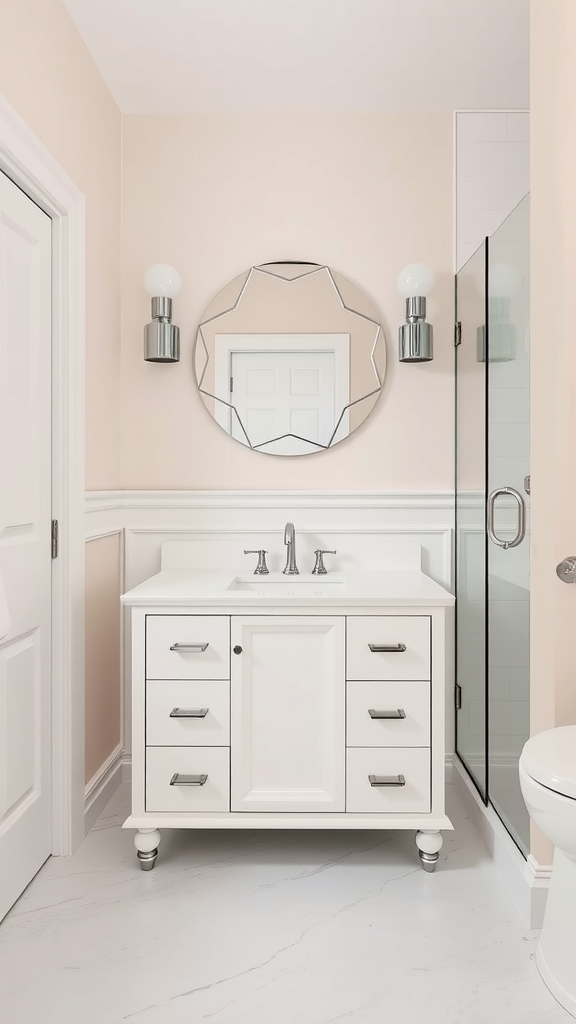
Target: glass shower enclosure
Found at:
x=493, y=517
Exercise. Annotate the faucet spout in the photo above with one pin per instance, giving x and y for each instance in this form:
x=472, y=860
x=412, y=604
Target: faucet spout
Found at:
x=290, y=569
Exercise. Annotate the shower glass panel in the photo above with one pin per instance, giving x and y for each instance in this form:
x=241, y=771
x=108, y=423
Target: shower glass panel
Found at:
x=493, y=517
x=471, y=604
x=508, y=498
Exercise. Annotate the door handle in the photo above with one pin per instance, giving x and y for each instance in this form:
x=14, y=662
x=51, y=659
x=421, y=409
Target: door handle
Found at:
x=194, y=648
x=566, y=569
x=386, y=780
x=521, y=527
x=387, y=648
x=188, y=780
x=189, y=712
x=399, y=713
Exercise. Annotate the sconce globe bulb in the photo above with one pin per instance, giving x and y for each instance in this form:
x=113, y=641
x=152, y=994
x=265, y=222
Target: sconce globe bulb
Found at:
x=162, y=279
x=503, y=280
x=415, y=279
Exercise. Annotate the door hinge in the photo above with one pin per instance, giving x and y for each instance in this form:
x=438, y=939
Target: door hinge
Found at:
x=457, y=334
x=231, y=384
x=54, y=538
x=457, y=697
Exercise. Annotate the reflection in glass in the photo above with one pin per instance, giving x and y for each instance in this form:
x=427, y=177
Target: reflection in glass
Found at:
x=290, y=358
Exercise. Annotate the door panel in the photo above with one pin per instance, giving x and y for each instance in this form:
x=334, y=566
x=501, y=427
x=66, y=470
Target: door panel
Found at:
x=25, y=555
x=287, y=714
x=283, y=393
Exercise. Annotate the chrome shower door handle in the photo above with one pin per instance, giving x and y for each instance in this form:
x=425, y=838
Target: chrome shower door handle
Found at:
x=521, y=527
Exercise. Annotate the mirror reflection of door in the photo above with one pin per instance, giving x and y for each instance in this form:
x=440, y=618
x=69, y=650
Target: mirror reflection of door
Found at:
x=287, y=391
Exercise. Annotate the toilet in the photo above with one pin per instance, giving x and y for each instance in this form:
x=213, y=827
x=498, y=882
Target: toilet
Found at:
x=548, y=782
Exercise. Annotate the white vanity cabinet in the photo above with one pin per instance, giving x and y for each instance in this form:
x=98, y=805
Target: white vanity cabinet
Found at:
x=287, y=709
x=283, y=713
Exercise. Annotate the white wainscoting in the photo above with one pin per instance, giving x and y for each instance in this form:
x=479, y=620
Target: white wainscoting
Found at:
x=366, y=529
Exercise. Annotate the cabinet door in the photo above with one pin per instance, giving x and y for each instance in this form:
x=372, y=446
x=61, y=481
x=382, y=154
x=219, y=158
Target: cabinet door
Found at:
x=287, y=714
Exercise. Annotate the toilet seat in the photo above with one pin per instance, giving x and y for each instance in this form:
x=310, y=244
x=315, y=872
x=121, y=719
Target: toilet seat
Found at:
x=550, y=759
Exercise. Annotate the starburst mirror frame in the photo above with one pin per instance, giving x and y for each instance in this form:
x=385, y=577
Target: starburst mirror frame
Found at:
x=292, y=304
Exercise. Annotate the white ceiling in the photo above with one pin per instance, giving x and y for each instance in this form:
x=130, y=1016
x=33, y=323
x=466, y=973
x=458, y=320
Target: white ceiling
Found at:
x=181, y=56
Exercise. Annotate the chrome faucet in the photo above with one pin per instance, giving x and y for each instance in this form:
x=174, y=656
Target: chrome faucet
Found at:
x=290, y=569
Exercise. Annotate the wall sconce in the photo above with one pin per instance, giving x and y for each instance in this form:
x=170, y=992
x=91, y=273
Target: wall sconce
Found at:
x=162, y=337
x=415, y=337
x=503, y=281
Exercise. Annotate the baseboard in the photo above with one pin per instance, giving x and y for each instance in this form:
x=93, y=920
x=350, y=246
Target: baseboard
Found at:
x=102, y=786
x=526, y=881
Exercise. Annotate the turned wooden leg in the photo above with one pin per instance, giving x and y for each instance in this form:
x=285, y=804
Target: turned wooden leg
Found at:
x=429, y=844
x=147, y=841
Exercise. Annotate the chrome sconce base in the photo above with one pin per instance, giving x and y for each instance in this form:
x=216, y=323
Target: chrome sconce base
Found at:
x=161, y=336
x=416, y=337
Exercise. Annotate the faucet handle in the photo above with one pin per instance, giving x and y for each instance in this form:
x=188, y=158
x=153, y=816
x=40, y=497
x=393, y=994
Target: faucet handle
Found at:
x=319, y=567
x=261, y=569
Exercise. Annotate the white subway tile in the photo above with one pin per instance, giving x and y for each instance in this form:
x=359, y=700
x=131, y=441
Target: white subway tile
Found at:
x=519, y=405
x=506, y=191
x=485, y=126
x=464, y=252
x=461, y=159
x=497, y=158
x=518, y=126
x=499, y=405
x=509, y=440
x=519, y=683
x=473, y=193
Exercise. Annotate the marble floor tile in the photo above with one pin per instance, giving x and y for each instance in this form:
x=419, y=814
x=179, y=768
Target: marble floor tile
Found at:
x=270, y=928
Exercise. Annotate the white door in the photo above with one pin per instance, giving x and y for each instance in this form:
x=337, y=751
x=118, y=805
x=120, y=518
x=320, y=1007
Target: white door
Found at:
x=287, y=713
x=25, y=540
x=285, y=395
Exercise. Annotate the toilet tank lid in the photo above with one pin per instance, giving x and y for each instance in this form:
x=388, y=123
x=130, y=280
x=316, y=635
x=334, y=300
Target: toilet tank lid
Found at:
x=550, y=759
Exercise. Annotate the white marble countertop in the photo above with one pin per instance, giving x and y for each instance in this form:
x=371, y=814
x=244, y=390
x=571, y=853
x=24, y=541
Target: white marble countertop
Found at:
x=399, y=589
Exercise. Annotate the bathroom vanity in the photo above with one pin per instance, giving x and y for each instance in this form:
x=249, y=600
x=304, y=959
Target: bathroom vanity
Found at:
x=277, y=701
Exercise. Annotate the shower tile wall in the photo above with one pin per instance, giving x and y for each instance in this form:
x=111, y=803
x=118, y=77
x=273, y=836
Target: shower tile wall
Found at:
x=492, y=173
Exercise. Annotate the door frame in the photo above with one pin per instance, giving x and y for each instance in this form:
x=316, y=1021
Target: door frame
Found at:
x=26, y=160
x=225, y=345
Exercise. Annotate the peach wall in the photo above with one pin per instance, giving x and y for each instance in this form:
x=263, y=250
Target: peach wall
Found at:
x=102, y=651
x=214, y=195
x=553, y=365
x=48, y=76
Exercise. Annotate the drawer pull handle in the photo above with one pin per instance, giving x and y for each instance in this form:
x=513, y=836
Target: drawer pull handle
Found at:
x=387, y=648
x=188, y=780
x=188, y=712
x=399, y=713
x=195, y=648
x=386, y=780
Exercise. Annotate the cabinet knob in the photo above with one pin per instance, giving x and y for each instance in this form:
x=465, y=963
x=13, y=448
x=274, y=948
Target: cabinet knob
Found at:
x=237, y=649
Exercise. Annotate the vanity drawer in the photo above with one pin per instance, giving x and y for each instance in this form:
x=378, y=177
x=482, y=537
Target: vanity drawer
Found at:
x=407, y=638
x=187, y=647
x=388, y=714
x=411, y=764
x=171, y=770
x=188, y=713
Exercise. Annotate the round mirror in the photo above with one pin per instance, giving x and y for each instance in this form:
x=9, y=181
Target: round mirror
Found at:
x=290, y=358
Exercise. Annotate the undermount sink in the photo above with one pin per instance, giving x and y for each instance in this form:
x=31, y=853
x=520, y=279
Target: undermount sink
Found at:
x=276, y=584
